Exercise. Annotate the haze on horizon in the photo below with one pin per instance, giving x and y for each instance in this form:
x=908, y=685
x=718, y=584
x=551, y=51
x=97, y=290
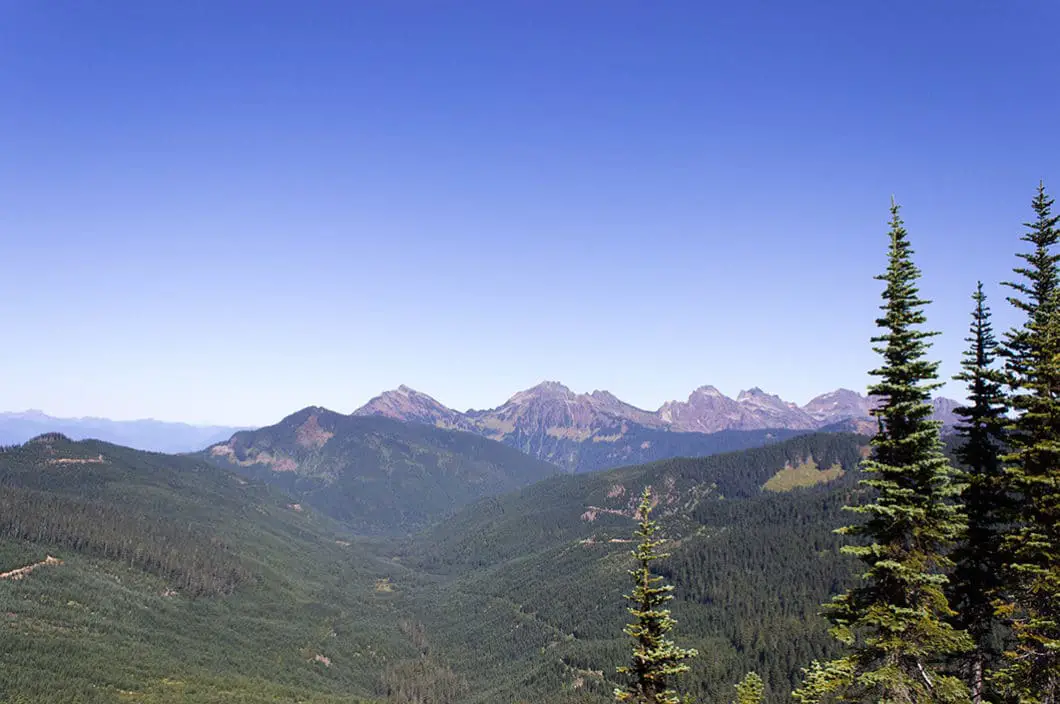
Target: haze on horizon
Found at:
x=226, y=211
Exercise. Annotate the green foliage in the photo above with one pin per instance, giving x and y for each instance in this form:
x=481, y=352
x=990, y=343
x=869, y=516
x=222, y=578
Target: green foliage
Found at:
x=749, y=569
x=656, y=658
x=132, y=613
x=491, y=606
x=803, y=475
x=751, y=690
x=896, y=622
x=551, y=512
x=185, y=557
x=976, y=579
x=377, y=475
x=1031, y=599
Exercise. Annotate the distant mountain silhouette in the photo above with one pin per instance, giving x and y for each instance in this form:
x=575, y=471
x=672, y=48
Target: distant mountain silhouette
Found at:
x=150, y=435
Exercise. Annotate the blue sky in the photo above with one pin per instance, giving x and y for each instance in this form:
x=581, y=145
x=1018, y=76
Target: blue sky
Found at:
x=226, y=211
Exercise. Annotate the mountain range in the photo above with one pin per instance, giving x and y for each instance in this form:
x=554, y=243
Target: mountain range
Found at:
x=148, y=434
x=551, y=422
x=577, y=432
x=554, y=406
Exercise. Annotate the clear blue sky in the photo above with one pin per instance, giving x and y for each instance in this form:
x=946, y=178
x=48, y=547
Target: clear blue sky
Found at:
x=226, y=211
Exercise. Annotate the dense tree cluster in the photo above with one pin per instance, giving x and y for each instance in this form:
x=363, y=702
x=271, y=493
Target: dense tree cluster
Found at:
x=956, y=564
x=190, y=561
x=749, y=569
x=959, y=594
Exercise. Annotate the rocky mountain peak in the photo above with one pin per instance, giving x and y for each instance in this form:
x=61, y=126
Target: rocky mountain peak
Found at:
x=707, y=410
x=756, y=396
x=546, y=390
x=774, y=411
x=708, y=392
x=406, y=403
x=944, y=409
x=838, y=405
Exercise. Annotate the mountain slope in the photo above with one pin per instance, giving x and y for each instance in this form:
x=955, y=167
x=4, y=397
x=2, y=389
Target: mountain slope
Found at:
x=177, y=581
x=750, y=567
x=174, y=581
x=376, y=474
x=150, y=435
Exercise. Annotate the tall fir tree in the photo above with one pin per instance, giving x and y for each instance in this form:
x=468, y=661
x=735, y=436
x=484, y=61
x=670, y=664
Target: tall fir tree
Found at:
x=1031, y=602
x=897, y=622
x=976, y=579
x=656, y=659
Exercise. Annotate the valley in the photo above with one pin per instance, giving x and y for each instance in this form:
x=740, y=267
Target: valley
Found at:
x=177, y=580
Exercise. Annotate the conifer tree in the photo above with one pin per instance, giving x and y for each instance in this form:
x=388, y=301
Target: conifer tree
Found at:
x=752, y=690
x=1031, y=603
x=656, y=659
x=976, y=577
x=896, y=623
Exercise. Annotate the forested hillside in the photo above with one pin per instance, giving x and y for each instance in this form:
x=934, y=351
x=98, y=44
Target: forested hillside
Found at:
x=627, y=444
x=543, y=572
x=176, y=581
x=377, y=475
x=173, y=581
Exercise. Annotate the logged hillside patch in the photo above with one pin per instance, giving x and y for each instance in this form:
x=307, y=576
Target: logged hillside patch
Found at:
x=78, y=460
x=253, y=457
x=802, y=475
x=21, y=572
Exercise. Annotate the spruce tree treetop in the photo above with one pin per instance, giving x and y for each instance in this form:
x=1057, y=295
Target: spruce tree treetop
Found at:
x=1032, y=476
x=896, y=623
x=656, y=658
x=1029, y=349
x=1035, y=294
